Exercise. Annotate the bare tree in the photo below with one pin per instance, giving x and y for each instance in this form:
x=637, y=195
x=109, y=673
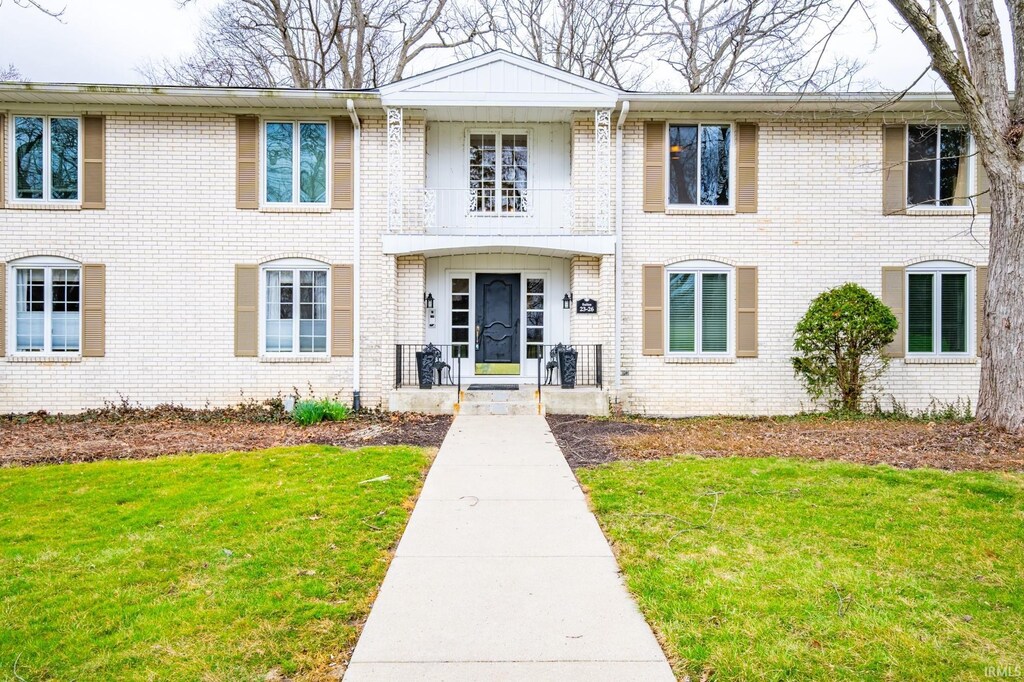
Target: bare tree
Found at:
x=604, y=40
x=10, y=73
x=318, y=43
x=764, y=45
x=37, y=4
x=968, y=55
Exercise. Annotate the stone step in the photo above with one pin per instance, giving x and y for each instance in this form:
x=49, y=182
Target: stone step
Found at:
x=517, y=407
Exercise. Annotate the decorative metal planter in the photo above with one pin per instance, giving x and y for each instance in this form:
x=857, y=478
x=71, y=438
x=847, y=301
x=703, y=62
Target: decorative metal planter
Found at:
x=425, y=369
x=567, y=361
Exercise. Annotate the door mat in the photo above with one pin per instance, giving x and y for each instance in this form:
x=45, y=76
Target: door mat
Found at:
x=493, y=387
x=497, y=368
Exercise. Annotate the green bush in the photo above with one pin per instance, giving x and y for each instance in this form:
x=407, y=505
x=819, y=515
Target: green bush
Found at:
x=307, y=412
x=839, y=343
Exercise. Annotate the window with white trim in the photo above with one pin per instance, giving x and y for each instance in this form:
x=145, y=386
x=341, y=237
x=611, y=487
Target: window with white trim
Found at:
x=45, y=158
x=46, y=315
x=295, y=308
x=295, y=155
x=460, y=317
x=939, y=309
x=699, y=164
x=938, y=165
x=498, y=172
x=699, y=309
x=535, y=299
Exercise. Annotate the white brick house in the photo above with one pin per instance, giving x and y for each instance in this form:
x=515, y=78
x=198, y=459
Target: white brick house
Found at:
x=204, y=246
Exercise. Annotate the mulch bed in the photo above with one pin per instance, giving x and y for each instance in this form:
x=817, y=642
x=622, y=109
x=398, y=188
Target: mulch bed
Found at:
x=140, y=434
x=954, y=446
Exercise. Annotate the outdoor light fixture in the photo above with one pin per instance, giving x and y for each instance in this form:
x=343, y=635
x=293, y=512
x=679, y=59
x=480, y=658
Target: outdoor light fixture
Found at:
x=567, y=301
x=428, y=301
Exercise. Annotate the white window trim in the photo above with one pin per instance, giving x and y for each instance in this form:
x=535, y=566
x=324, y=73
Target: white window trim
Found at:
x=12, y=164
x=293, y=264
x=971, y=169
x=732, y=166
x=499, y=132
x=296, y=164
x=698, y=268
x=937, y=269
x=49, y=263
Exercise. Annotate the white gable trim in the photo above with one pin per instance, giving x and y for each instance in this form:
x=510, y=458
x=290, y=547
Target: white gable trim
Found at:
x=499, y=79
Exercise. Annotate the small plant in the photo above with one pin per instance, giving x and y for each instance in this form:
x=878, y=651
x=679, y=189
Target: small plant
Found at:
x=308, y=412
x=839, y=341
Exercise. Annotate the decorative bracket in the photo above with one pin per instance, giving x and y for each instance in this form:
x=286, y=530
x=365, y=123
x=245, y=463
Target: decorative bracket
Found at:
x=603, y=168
x=396, y=133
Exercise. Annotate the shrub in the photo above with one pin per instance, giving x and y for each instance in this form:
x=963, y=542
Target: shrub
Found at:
x=839, y=341
x=307, y=412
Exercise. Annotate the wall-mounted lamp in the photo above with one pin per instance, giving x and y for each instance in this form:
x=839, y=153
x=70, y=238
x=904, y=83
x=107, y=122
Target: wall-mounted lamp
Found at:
x=567, y=301
x=428, y=301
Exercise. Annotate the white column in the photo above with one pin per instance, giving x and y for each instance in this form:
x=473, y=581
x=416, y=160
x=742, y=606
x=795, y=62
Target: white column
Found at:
x=602, y=167
x=395, y=170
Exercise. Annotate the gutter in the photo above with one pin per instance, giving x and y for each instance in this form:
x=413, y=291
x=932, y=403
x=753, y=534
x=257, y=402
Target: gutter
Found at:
x=623, y=112
x=356, y=250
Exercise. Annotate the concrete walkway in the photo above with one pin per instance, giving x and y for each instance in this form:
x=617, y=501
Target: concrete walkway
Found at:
x=504, y=574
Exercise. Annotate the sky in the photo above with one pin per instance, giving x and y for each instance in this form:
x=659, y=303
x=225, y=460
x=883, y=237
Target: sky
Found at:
x=107, y=41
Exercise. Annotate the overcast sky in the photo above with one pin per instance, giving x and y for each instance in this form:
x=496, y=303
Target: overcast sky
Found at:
x=106, y=41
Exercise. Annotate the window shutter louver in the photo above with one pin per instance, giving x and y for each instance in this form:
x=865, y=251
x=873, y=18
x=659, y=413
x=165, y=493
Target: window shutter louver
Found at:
x=746, y=312
x=746, y=167
x=247, y=297
x=3, y=304
x=893, y=281
x=342, y=185
x=654, y=167
x=3, y=161
x=653, y=303
x=94, y=310
x=341, y=311
x=982, y=198
x=980, y=287
x=247, y=166
x=94, y=164
x=894, y=171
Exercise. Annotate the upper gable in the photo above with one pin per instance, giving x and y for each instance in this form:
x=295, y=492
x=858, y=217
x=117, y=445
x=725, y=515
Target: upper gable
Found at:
x=499, y=79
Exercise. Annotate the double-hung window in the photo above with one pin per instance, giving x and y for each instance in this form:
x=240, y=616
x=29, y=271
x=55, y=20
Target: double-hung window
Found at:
x=46, y=158
x=699, y=165
x=295, y=309
x=939, y=308
x=498, y=172
x=296, y=162
x=699, y=309
x=46, y=315
x=938, y=165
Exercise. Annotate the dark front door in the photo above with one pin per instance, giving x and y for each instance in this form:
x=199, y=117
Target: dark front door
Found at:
x=497, y=318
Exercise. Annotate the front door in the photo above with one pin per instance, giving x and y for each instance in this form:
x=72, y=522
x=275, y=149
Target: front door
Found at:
x=497, y=323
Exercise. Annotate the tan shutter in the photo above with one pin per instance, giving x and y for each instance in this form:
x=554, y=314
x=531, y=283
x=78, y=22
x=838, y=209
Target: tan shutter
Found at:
x=3, y=161
x=342, y=179
x=247, y=296
x=653, y=310
x=893, y=281
x=746, y=168
x=746, y=312
x=654, y=166
x=3, y=309
x=982, y=199
x=94, y=310
x=247, y=164
x=94, y=164
x=894, y=170
x=341, y=311
x=981, y=287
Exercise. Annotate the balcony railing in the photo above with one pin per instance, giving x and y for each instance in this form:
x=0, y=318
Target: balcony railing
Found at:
x=506, y=211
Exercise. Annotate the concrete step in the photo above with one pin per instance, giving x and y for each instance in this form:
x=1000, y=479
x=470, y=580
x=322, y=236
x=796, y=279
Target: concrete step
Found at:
x=499, y=396
x=516, y=407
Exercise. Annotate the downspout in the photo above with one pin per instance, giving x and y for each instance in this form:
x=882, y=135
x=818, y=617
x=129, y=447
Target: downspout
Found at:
x=357, y=179
x=618, y=246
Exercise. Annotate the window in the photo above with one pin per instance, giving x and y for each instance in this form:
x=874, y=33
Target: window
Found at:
x=295, y=304
x=535, y=297
x=699, y=164
x=938, y=309
x=46, y=159
x=296, y=163
x=938, y=165
x=460, y=317
x=46, y=314
x=498, y=171
x=699, y=309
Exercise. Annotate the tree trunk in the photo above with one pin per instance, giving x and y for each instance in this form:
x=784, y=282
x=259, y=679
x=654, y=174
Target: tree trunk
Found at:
x=1001, y=400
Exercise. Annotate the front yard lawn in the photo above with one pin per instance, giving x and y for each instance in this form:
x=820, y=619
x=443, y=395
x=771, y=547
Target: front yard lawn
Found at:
x=782, y=569
x=205, y=567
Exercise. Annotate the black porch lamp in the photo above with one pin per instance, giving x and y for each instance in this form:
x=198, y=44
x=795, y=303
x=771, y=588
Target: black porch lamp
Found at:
x=567, y=301
x=428, y=301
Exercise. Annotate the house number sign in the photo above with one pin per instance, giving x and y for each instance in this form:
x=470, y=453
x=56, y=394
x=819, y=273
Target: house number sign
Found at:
x=586, y=306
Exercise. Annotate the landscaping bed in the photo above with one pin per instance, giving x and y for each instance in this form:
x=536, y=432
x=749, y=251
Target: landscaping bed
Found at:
x=122, y=432
x=904, y=443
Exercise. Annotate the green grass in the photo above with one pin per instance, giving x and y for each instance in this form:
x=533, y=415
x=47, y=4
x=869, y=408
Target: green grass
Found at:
x=820, y=571
x=205, y=567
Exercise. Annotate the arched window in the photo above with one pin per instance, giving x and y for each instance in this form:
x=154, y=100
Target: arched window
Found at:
x=295, y=307
x=46, y=306
x=699, y=309
x=940, y=297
